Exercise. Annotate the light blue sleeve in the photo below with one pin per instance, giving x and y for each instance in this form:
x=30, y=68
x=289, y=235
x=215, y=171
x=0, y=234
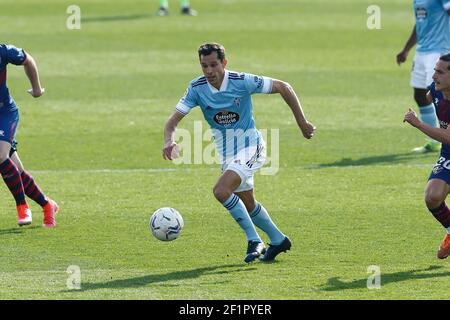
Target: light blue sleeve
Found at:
x=15, y=55
x=446, y=4
x=188, y=101
x=257, y=84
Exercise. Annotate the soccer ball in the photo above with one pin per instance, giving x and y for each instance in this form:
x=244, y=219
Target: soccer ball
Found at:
x=166, y=224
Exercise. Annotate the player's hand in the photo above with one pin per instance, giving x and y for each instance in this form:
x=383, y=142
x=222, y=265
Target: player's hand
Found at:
x=411, y=118
x=171, y=151
x=36, y=93
x=308, y=130
x=401, y=57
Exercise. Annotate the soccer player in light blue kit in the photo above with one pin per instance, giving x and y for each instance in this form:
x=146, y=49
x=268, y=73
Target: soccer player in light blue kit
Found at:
x=431, y=33
x=225, y=99
x=19, y=181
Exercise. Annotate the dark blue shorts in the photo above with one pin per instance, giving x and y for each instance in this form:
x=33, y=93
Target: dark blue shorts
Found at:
x=441, y=169
x=8, y=126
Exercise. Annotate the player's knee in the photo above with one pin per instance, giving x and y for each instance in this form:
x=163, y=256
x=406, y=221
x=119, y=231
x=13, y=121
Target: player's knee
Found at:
x=433, y=199
x=250, y=205
x=222, y=194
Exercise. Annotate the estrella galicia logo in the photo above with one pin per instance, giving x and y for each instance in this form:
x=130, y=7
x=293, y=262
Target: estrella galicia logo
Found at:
x=421, y=13
x=437, y=168
x=258, y=80
x=226, y=118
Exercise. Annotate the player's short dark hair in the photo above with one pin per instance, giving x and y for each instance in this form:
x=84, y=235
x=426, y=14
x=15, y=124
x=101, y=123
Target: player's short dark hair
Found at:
x=208, y=48
x=446, y=58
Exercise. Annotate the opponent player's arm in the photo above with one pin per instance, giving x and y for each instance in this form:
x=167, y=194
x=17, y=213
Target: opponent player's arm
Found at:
x=412, y=40
x=32, y=73
x=290, y=97
x=169, y=133
x=439, y=134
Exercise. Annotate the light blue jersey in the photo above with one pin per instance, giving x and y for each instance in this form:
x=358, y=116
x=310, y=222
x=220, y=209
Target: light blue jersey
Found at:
x=432, y=26
x=228, y=111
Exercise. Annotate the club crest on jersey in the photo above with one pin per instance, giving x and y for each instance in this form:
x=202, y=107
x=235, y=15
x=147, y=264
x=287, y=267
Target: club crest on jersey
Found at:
x=437, y=168
x=421, y=13
x=226, y=118
x=258, y=80
x=237, y=102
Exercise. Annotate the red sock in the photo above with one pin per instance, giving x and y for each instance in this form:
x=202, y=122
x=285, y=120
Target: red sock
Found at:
x=32, y=190
x=11, y=176
x=442, y=214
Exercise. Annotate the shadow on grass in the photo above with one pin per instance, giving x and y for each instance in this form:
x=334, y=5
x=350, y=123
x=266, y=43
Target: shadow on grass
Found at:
x=17, y=230
x=334, y=284
x=161, y=278
x=367, y=161
x=116, y=18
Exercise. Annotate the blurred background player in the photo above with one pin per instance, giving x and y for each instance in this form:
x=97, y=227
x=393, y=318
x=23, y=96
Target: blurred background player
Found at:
x=184, y=4
x=438, y=186
x=18, y=181
x=225, y=99
x=431, y=33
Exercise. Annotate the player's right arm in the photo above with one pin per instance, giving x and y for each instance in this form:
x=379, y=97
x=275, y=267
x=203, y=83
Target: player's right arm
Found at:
x=184, y=106
x=412, y=40
x=169, y=133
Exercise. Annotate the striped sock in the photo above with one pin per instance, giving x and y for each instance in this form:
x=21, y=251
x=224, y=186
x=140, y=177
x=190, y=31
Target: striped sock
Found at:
x=238, y=211
x=261, y=219
x=442, y=214
x=11, y=176
x=32, y=190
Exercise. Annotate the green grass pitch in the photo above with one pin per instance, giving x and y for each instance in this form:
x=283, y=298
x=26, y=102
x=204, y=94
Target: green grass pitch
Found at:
x=350, y=198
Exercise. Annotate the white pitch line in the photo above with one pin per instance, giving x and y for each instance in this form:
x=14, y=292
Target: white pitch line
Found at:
x=196, y=169
x=138, y=170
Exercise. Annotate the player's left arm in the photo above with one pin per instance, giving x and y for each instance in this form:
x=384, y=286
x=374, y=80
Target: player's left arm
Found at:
x=290, y=97
x=31, y=70
x=439, y=134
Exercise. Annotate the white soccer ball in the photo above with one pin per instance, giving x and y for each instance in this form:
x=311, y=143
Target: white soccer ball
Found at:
x=166, y=224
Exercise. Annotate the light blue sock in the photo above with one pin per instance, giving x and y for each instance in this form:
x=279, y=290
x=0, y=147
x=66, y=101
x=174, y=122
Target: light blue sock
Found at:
x=428, y=116
x=262, y=220
x=240, y=214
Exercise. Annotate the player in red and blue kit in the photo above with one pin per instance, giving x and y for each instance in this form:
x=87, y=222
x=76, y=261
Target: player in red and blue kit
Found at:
x=19, y=181
x=438, y=186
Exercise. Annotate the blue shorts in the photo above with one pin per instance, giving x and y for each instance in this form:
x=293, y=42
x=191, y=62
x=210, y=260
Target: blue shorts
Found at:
x=441, y=169
x=8, y=126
